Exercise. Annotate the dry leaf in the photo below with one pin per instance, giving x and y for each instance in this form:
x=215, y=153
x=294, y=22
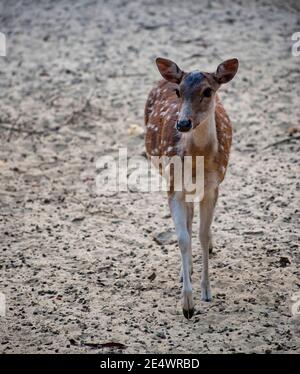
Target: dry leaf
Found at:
x=135, y=129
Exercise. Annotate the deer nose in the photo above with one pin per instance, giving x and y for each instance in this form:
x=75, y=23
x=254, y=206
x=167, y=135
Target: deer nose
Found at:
x=184, y=125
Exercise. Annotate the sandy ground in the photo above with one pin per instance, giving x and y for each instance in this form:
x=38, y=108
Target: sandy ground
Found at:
x=79, y=268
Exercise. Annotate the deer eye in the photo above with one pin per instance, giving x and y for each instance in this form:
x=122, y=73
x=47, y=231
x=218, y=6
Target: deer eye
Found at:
x=207, y=92
x=177, y=92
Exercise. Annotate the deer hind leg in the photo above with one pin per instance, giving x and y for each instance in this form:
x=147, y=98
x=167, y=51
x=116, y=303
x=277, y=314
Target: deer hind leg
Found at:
x=207, y=206
x=180, y=213
x=190, y=216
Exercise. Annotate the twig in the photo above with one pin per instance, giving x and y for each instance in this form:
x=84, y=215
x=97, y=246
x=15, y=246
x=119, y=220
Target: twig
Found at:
x=195, y=55
x=104, y=345
x=282, y=141
x=89, y=116
x=53, y=99
x=30, y=132
x=187, y=41
x=79, y=111
x=126, y=75
x=69, y=119
x=258, y=232
x=12, y=128
x=153, y=27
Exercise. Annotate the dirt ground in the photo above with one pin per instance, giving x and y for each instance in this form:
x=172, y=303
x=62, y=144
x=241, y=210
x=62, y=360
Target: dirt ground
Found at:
x=79, y=268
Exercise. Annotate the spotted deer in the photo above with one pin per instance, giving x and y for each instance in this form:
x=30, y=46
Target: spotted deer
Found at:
x=184, y=117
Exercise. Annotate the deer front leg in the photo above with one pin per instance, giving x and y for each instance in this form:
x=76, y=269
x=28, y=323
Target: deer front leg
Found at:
x=211, y=241
x=179, y=212
x=207, y=206
x=190, y=216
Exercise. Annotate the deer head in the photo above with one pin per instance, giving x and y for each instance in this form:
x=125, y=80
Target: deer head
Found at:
x=195, y=90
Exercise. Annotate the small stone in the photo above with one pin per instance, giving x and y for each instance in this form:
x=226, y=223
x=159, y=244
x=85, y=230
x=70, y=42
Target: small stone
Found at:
x=161, y=334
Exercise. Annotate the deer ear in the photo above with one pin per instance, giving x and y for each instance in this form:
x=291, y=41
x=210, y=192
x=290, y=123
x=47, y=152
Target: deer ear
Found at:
x=226, y=71
x=169, y=70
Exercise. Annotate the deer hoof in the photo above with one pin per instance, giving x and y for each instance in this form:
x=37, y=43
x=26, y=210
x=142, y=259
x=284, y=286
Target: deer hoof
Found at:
x=188, y=313
x=210, y=246
x=206, y=296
